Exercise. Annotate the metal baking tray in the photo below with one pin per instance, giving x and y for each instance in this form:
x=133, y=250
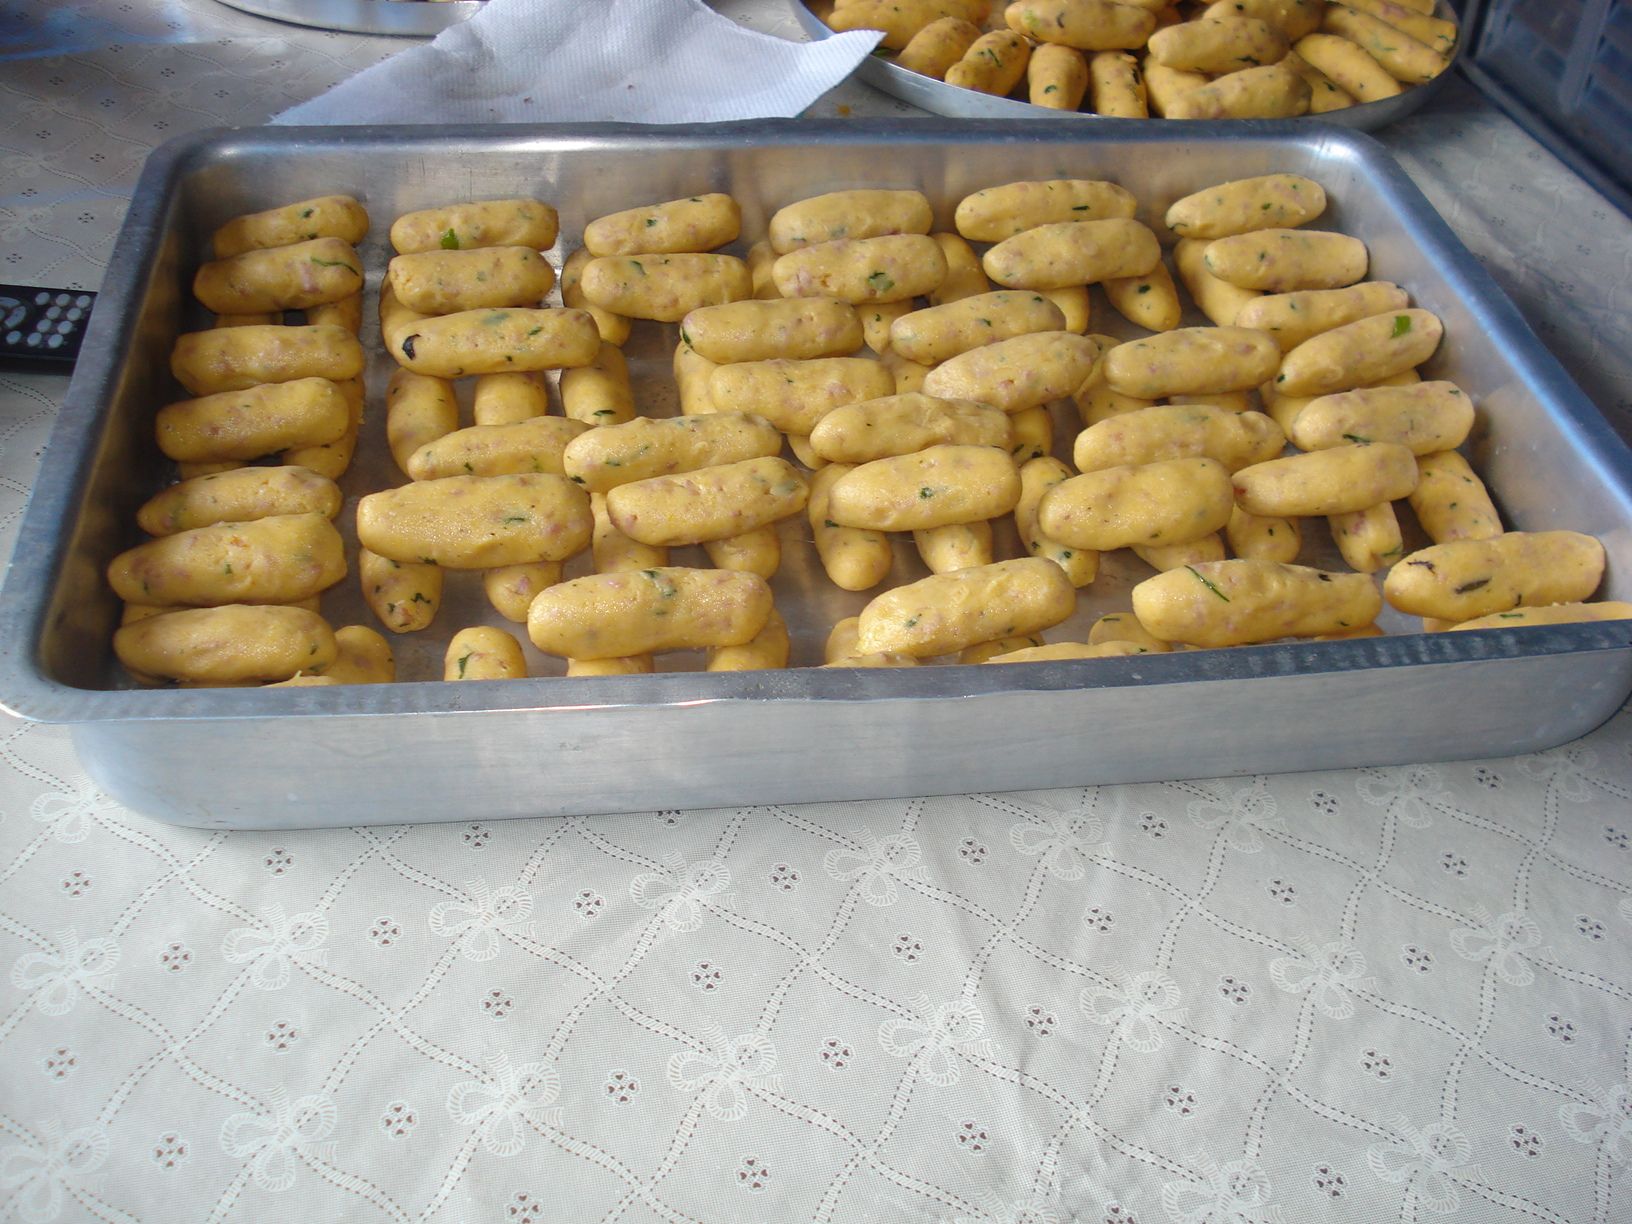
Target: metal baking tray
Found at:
x=940, y=98
x=400, y=18
x=423, y=750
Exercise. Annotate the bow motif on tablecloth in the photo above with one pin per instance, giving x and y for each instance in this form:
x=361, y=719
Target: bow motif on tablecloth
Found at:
x=1405, y=792
x=936, y=1037
x=1604, y=1119
x=1426, y=1159
x=1064, y=838
x=273, y=946
x=502, y=1105
x=1502, y=941
x=54, y=979
x=273, y=1141
x=1237, y=1192
x=1243, y=817
x=725, y=1075
x=35, y=1177
x=476, y=923
x=68, y=814
x=682, y=892
x=1328, y=973
x=1134, y=1007
x=876, y=864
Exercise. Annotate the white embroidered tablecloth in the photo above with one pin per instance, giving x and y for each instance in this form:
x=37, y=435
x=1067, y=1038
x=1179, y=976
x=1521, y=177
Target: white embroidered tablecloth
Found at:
x=1364, y=995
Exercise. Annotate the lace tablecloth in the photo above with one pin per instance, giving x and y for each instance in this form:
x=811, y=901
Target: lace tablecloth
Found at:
x=1364, y=995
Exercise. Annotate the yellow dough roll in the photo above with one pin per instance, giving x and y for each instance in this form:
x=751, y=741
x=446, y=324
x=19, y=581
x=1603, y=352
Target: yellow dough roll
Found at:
x=1150, y=301
x=1073, y=303
x=878, y=317
x=1096, y=401
x=1192, y=361
x=1287, y=260
x=346, y=313
x=1360, y=353
x=929, y=488
x=1218, y=45
x=900, y=20
x=964, y=275
x=1451, y=502
x=756, y=551
x=948, y=612
x=767, y=650
x=794, y=328
x=238, y=496
x=1347, y=66
x=280, y=278
x=534, y=445
x=863, y=270
x=1164, y=557
x=253, y=422
x=692, y=375
x=404, y=595
x=613, y=455
x=1368, y=539
x=333, y=216
x=878, y=658
x=418, y=410
x=498, y=342
x=234, y=358
x=795, y=395
x=599, y=393
x=1064, y=253
x=1230, y=401
x=477, y=522
x=908, y=375
x=483, y=223
x=260, y=318
x=275, y=560
x=396, y=320
x=841, y=639
x=1424, y=417
x=362, y=656
x=1091, y=25
x=1463, y=579
x=629, y=665
x=511, y=588
x=508, y=399
x=1338, y=480
x=1033, y=434
x=300, y=681
x=1325, y=95
x=227, y=645
x=1179, y=431
x=446, y=282
x=1057, y=77
x=614, y=327
x=858, y=214
x=1037, y=477
x=1285, y=408
x=612, y=551
x=1402, y=56
x=760, y=259
x=664, y=287
x=483, y=653
x=996, y=213
x=1019, y=373
x=1435, y=32
x=1116, y=84
x=1239, y=602
x=1293, y=18
x=1164, y=86
x=1553, y=614
x=1220, y=301
x=1125, y=627
x=936, y=333
x=855, y=558
x=708, y=503
x=1263, y=537
x=1172, y=501
x=1295, y=317
x=938, y=46
x=332, y=459
x=1268, y=201
x=954, y=546
x=649, y=611
x=994, y=64
x=696, y=223
x=1272, y=91
x=902, y=424
x=1068, y=650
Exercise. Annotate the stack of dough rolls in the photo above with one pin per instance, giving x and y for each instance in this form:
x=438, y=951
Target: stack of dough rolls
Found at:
x=226, y=593
x=1187, y=59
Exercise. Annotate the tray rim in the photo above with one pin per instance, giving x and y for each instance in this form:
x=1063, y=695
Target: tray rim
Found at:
x=28, y=692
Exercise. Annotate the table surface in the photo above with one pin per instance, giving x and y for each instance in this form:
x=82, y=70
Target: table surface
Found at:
x=1373, y=994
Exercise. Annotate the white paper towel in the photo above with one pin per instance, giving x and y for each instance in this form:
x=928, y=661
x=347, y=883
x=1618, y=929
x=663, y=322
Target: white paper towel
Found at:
x=545, y=61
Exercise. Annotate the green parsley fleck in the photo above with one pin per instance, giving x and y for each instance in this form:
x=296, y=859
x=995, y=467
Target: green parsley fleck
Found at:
x=880, y=282
x=450, y=240
x=1402, y=324
x=1208, y=583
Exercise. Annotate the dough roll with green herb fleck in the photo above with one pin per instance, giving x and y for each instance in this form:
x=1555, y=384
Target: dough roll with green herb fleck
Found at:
x=1066, y=253
x=1037, y=477
x=418, y=410
x=945, y=613
x=644, y=447
x=1192, y=361
x=242, y=425
x=1338, y=480
x=235, y=358
x=1241, y=205
x=863, y=270
x=854, y=557
x=1179, y=431
x=511, y=588
x=901, y=19
x=709, y=503
x=1150, y=301
x=1295, y=317
x=1263, y=537
x=929, y=488
x=1057, y=77
x=534, y=445
x=1172, y=501
x=954, y=546
x=1553, y=614
x=994, y=63
x=335, y=216
x=1425, y=418
x=1218, y=45
x=599, y=393
x=482, y=652
x=403, y=595
x=234, y=644
x=647, y=611
x=1467, y=578
x=483, y=223
x=446, y=282
x=1287, y=260
x=937, y=333
x=1017, y=374
x=1369, y=539
x=664, y=287
x=1451, y=502
x=280, y=559
x=794, y=328
x=498, y=342
x=938, y=46
x=902, y=424
x=238, y=496
x=795, y=395
x=1272, y=91
x=1239, y=602
x=996, y=213
x=1348, y=66
x=867, y=212
x=1068, y=650
x=362, y=656
x=508, y=399
x=614, y=328
x=1403, y=57
x=1294, y=18
x=477, y=522
x=696, y=223
x=280, y=278
x=1125, y=627
x=1089, y=25
x=1360, y=353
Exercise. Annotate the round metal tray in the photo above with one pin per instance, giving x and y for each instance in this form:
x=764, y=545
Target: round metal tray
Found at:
x=404, y=18
x=943, y=99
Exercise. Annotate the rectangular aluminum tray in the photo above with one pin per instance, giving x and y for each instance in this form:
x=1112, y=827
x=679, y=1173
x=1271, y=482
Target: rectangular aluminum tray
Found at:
x=423, y=750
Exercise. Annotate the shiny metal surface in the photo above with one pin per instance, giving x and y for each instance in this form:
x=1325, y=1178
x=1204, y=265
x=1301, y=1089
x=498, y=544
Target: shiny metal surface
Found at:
x=942, y=99
x=405, y=18
x=426, y=750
